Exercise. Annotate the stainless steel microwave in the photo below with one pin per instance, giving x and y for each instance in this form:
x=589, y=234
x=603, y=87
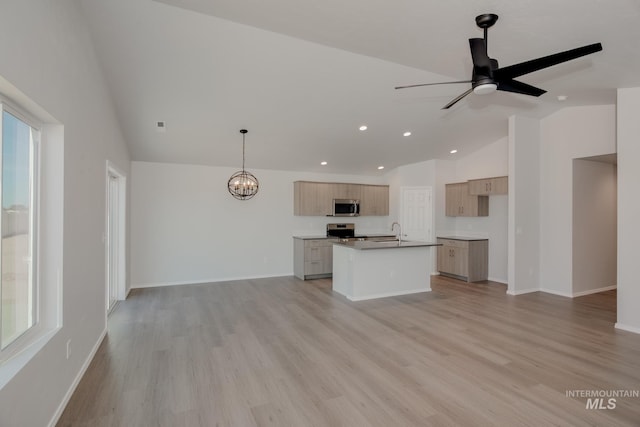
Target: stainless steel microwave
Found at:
x=346, y=207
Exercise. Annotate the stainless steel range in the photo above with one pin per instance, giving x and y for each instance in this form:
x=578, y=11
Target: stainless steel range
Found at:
x=346, y=232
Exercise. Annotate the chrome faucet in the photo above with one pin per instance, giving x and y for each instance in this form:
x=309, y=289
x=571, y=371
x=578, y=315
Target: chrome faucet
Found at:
x=399, y=230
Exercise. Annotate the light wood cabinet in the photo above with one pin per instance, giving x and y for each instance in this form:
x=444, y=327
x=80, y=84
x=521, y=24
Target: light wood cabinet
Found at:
x=375, y=200
x=346, y=191
x=489, y=186
x=312, y=198
x=316, y=198
x=458, y=201
x=464, y=258
x=312, y=258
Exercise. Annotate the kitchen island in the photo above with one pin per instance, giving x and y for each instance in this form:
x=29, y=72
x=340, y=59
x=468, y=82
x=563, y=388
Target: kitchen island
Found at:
x=370, y=269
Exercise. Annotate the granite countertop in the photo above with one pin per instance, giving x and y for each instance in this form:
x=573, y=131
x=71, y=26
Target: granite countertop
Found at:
x=393, y=244
x=466, y=238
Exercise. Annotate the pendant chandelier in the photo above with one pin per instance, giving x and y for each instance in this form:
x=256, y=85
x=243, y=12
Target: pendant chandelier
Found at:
x=242, y=184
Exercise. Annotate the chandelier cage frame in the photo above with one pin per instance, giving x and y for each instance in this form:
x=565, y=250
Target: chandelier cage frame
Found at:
x=243, y=185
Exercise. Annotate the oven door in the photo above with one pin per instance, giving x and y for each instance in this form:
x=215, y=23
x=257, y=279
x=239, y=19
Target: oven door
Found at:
x=346, y=207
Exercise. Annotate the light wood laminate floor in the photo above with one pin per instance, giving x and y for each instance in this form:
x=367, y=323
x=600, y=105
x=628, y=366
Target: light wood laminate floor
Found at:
x=283, y=352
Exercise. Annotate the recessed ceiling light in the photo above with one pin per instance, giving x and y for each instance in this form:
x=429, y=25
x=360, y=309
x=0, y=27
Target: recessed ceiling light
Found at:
x=407, y=134
x=380, y=167
x=363, y=127
x=453, y=151
x=562, y=98
x=323, y=163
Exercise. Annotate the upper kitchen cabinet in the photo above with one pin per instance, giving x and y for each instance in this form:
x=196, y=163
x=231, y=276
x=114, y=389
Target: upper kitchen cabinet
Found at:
x=312, y=198
x=489, y=186
x=346, y=191
x=375, y=200
x=459, y=202
x=316, y=198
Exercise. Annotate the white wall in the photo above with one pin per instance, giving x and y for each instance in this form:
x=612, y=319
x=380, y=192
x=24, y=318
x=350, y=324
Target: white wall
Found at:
x=628, y=128
x=594, y=227
x=491, y=160
x=568, y=134
x=187, y=228
x=524, y=196
x=47, y=54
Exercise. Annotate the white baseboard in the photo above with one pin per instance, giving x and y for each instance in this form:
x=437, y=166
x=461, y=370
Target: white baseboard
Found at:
x=594, y=291
x=493, y=279
x=389, y=294
x=522, y=292
x=200, y=282
x=559, y=293
x=627, y=328
x=577, y=294
x=76, y=381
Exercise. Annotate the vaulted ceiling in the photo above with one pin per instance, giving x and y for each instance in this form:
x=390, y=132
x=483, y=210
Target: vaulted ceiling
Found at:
x=302, y=77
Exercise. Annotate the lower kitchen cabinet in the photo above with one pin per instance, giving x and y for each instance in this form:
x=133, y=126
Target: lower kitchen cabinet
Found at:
x=312, y=258
x=464, y=258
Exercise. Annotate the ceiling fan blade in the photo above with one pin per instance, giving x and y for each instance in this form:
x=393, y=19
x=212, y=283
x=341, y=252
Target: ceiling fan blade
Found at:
x=433, y=84
x=458, y=98
x=517, y=70
x=519, y=87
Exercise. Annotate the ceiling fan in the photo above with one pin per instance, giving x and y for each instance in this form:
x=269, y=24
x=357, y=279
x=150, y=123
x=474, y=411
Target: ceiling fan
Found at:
x=487, y=77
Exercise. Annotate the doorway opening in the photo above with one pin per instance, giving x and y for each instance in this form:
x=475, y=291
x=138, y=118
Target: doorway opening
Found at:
x=594, y=225
x=115, y=237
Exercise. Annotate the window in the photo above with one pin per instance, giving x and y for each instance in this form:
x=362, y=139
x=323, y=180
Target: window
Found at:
x=31, y=244
x=18, y=179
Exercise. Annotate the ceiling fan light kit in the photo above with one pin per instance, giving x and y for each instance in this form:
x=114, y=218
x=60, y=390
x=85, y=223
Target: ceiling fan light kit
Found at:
x=487, y=76
x=485, y=88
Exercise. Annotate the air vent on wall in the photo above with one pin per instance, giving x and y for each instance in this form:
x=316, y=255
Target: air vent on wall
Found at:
x=161, y=127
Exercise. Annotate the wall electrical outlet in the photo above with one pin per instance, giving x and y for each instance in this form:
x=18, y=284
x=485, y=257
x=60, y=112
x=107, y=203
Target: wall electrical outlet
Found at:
x=68, y=348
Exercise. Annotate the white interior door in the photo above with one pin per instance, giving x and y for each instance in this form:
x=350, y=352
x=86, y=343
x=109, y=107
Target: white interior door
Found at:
x=416, y=213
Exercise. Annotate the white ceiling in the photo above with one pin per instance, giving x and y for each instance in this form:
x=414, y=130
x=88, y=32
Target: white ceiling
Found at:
x=303, y=76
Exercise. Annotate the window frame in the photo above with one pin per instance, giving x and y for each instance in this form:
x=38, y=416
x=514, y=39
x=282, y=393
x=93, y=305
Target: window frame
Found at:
x=27, y=337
